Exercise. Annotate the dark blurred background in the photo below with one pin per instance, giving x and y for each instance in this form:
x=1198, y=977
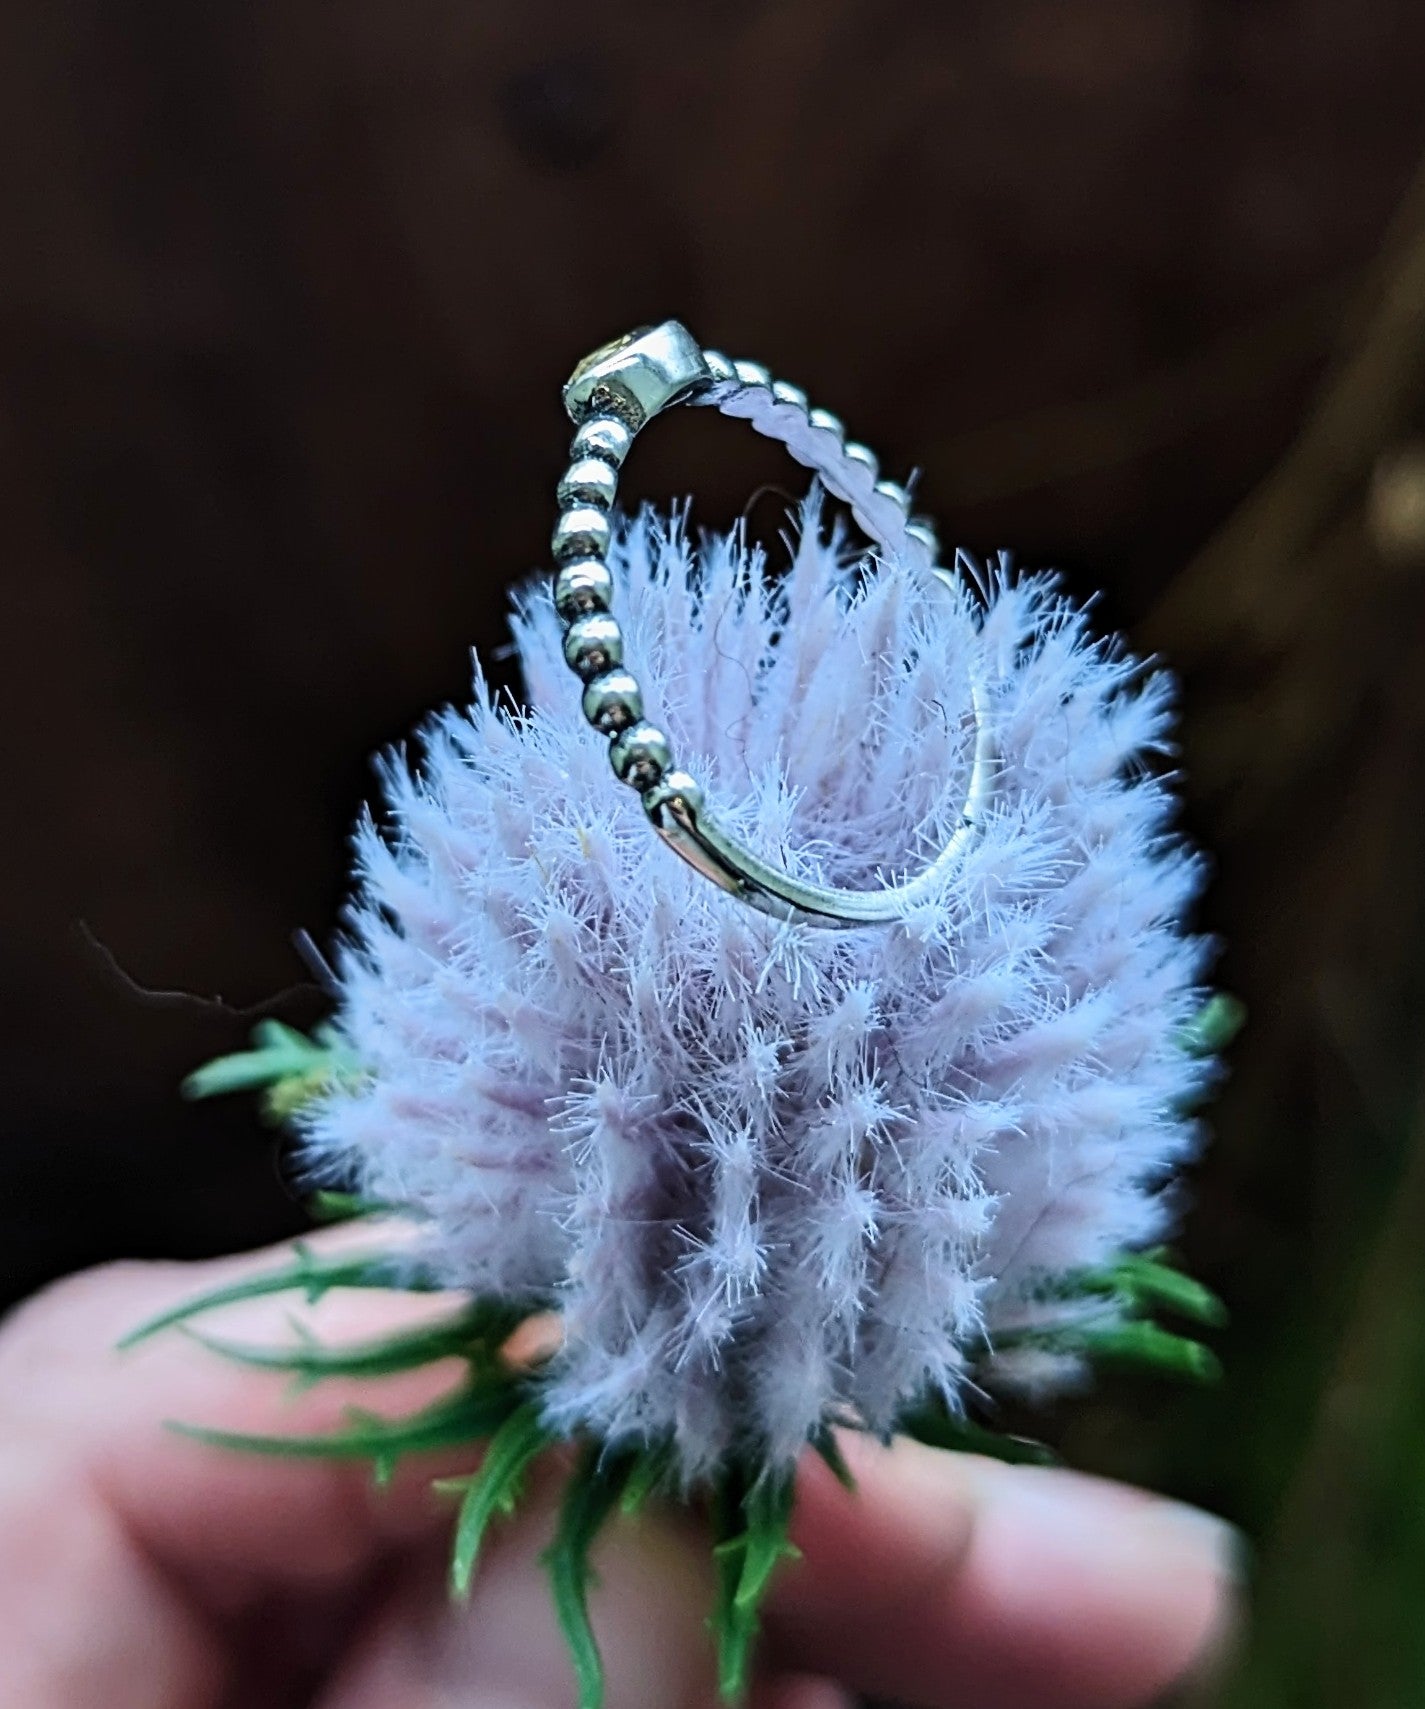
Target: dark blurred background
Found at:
x=286, y=295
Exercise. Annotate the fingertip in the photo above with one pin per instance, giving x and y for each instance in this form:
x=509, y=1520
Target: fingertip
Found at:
x=946, y=1574
x=799, y=1691
x=1098, y=1595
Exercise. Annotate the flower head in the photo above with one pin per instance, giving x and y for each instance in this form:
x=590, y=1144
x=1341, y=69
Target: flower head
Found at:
x=775, y=1174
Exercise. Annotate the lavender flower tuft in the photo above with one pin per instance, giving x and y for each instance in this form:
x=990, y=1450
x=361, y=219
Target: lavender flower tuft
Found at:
x=773, y=1175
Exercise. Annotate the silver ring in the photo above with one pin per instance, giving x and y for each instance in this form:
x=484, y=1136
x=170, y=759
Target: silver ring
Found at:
x=612, y=394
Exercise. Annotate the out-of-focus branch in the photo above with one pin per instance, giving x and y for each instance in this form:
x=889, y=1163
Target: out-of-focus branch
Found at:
x=1342, y=1571
x=1232, y=594
x=1085, y=436
x=1299, y=628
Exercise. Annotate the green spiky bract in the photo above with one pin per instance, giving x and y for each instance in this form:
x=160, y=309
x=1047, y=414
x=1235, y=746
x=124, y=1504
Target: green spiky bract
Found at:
x=751, y=1516
x=312, y=1362
x=652, y=1473
x=494, y=1489
x=471, y=1414
x=1116, y=1327
x=288, y=1068
x=594, y=1489
x=934, y=1424
x=1214, y=1026
x=496, y=1411
x=825, y=1444
x=307, y=1274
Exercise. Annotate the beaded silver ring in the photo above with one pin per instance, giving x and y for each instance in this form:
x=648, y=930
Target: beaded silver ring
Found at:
x=613, y=393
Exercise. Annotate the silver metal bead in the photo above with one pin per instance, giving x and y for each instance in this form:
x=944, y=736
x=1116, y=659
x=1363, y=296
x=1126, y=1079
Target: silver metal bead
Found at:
x=583, y=587
x=922, y=530
x=610, y=395
x=676, y=791
x=640, y=755
x=594, y=645
x=862, y=454
x=603, y=437
x=588, y=481
x=582, y=532
x=613, y=702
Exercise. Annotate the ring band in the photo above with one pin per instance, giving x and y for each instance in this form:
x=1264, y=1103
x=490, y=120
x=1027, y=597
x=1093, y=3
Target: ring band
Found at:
x=612, y=394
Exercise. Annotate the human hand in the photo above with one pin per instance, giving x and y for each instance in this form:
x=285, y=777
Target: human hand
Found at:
x=139, y=1570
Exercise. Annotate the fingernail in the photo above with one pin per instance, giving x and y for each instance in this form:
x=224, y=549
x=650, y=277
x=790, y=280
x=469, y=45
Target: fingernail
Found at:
x=1112, y=1525
x=1199, y=1533
x=1168, y=1572
x=1200, y=1536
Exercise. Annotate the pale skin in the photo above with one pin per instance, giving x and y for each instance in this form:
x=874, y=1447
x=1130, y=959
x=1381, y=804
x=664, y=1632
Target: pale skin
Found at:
x=142, y=1571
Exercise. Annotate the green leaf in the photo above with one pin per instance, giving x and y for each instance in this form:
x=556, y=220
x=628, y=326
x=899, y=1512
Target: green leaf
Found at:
x=937, y=1427
x=751, y=1522
x=824, y=1442
x=494, y=1488
x=290, y=1068
x=310, y=1275
x=591, y=1494
x=735, y=1634
x=650, y=1469
x=326, y=1205
x=1143, y=1281
x=468, y=1415
x=477, y=1335
x=1214, y=1026
x=766, y=1545
x=1145, y=1346
x=732, y=1631
x=1134, y=1342
x=277, y=1051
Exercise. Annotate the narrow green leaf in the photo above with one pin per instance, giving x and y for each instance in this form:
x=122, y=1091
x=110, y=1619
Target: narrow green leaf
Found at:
x=1139, y=1281
x=469, y=1415
x=328, y=1205
x=591, y=1494
x=825, y=1444
x=277, y=1051
x=1150, y=1284
x=287, y=1066
x=1146, y=1346
x=310, y=1275
x=1214, y=1026
x=494, y=1488
x=244, y=1071
x=751, y=1519
x=768, y=1511
x=650, y=1469
x=733, y=1632
x=937, y=1427
x=474, y=1333
x=291, y=1093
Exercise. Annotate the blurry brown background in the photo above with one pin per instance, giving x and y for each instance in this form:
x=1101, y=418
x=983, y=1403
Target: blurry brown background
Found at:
x=286, y=295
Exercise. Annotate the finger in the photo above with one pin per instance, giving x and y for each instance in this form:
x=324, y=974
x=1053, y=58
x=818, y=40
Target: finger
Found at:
x=648, y=1606
x=205, y=1513
x=85, y=1618
x=503, y=1649
x=946, y=1579
x=798, y=1691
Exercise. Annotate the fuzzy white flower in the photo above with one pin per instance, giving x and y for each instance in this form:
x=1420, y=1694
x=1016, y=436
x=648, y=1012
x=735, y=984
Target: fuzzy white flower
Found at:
x=773, y=1174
